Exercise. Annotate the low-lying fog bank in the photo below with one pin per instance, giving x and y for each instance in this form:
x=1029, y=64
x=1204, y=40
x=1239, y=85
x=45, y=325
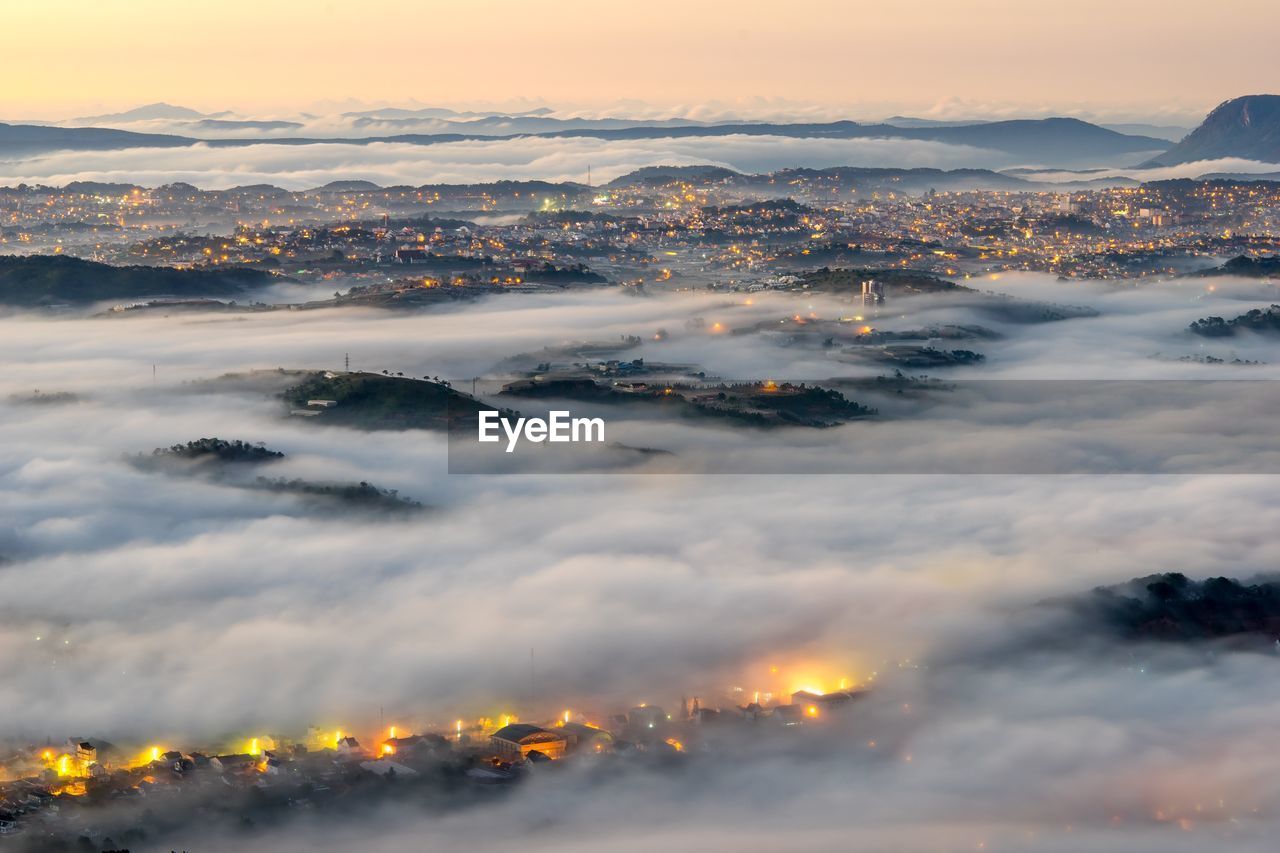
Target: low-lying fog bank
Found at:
x=141, y=605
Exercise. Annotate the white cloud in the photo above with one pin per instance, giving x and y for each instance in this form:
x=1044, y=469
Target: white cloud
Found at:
x=178, y=609
x=303, y=167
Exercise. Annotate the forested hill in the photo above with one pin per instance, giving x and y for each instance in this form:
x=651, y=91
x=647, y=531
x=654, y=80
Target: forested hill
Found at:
x=36, y=280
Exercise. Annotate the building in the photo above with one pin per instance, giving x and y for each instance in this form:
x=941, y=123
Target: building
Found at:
x=411, y=256
x=646, y=717
x=809, y=705
x=584, y=738
x=425, y=744
x=82, y=751
x=233, y=763
x=517, y=740
x=872, y=293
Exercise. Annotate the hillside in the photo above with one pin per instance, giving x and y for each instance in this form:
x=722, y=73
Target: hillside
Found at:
x=24, y=139
x=372, y=401
x=896, y=282
x=36, y=280
x=1247, y=127
x=215, y=451
x=903, y=180
x=658, y=176
x=1245, y=267
x=1261, y=320
x=1056, y=140
x=763, y=404
x=226, y=461
x=1173, y=608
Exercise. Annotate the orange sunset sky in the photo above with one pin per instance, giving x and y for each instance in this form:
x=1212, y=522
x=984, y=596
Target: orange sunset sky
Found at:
x=66, y=57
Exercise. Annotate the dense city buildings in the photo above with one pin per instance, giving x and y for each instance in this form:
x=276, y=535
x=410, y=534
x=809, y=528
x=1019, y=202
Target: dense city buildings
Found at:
x=665, y=231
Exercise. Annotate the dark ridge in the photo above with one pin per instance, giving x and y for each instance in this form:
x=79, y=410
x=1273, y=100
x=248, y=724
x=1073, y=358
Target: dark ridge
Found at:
x=1245, y=267
x=1173, y=608
x=36, y=280
x=657, y=176
x=1051, y=141
x=1261, y=320
x=372, y=401
x=24, y=139
x=218, y=450
x=358, y=496
x=897, y=282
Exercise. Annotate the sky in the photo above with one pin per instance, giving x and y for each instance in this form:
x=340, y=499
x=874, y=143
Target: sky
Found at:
x=1138, y=59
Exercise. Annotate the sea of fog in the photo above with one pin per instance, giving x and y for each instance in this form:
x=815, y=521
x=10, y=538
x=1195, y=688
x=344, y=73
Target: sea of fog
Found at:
x=300, y=167
x=135, y=605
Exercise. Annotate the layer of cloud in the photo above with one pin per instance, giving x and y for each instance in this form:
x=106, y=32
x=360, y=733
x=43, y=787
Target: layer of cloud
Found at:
x=184, y=610
x=343, y=118
x=1196, y=169
x=303, y=167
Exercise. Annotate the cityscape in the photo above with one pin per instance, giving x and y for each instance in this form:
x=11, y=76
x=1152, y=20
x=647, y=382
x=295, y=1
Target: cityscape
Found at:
x=665, y=227
x=565, y=427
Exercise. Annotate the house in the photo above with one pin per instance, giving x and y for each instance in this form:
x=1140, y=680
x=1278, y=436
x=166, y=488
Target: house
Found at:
x=176, y=762
x=519, y=739
x=348, y=746
x=411, y=256
x=585, y=738
x=646, y=717
x=425, y=744
x=233, y=763
x=705, y=716
x=811, y=705
x=388, y=769
x=82, y=751
x=39, y=798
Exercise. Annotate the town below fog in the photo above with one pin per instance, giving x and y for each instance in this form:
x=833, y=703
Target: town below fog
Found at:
x=89, y=791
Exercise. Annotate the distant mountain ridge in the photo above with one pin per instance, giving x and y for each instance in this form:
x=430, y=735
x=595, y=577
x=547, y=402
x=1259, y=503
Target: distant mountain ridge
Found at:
x=147, y=112
x=1051, y=141
x=1171, y=133
x=1246, y=127
x=28, y=139
x=1059, y=139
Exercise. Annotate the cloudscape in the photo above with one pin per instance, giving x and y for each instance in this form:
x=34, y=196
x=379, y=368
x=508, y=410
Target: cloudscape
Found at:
x=570, y=426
